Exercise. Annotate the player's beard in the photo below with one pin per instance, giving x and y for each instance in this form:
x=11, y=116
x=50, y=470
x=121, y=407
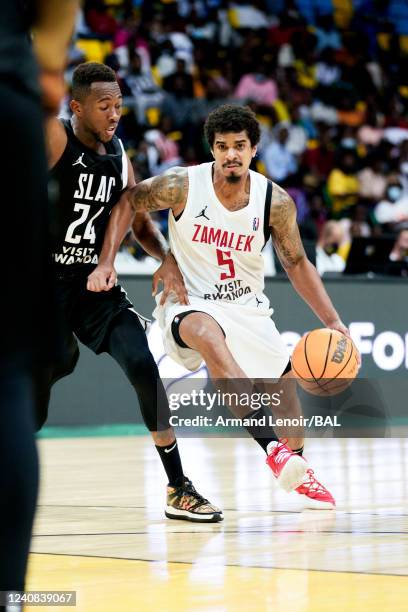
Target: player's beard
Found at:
x=233, y=179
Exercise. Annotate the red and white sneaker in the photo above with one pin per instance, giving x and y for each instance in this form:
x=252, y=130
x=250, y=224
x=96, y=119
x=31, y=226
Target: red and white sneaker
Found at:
x=317, y=497
x=288, y=467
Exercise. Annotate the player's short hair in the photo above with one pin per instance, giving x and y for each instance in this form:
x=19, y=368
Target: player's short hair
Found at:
x=86, y=74
x=232, y=118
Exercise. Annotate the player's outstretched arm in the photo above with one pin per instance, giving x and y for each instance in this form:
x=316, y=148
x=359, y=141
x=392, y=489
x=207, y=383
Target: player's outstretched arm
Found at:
x=168, y=190
x=301, y=272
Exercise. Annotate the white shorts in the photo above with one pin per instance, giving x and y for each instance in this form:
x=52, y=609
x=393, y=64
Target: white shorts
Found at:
x=250, y=335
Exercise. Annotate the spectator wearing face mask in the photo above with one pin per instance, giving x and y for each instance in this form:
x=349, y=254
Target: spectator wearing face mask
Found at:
x=327, y=257
x=393, y=209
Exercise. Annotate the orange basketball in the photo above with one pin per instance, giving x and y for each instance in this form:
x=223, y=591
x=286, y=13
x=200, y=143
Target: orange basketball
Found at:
x=325, y=362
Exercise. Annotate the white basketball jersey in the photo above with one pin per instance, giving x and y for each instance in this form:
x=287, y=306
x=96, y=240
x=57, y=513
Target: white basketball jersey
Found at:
x=219, y=251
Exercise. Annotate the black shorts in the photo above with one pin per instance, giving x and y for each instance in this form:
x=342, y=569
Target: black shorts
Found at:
x=85, y=313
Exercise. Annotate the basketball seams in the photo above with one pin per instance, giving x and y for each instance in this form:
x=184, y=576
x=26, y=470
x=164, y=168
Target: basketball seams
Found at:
x=322, y=386
x=298, y=375
x=346, y=364
x=307, y=360
x=340, y=371
x=327, y=355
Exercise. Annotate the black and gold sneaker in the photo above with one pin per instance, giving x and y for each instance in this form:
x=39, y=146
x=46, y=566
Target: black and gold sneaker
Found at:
x=186, y=504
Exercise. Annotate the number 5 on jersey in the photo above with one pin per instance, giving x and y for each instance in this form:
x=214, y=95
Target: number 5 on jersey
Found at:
x=224, y=259
x=89, y=232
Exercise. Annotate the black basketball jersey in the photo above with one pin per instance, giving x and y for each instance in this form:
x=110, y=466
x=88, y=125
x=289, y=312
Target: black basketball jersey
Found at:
x=89, y=185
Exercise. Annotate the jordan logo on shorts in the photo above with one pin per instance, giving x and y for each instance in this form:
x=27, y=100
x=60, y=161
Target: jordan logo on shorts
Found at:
x=258, y=302
x=202, y=214
x=79, y=161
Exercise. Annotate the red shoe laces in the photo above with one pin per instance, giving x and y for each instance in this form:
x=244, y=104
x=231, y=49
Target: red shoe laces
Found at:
x=312, y=484
x=281, y=443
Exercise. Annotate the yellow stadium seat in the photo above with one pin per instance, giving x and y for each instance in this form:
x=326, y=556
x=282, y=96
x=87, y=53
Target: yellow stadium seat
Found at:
x=153, y=116
x=403, y=42
x=281, y=110
x=233, y=18
x=260, y=167
x=343, y=12
x=157, y=77
x=383, y=39
x=94, y=50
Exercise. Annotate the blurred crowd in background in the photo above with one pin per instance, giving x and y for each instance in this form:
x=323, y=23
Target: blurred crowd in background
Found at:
x=327, y=79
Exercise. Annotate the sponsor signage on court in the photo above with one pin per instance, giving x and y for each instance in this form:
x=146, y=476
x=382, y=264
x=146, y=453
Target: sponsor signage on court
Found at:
x=388, y=349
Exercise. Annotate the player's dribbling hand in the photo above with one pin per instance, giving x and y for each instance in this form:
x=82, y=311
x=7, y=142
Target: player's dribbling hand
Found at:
x=103, y=278
x=169, y=274
x=339, y=326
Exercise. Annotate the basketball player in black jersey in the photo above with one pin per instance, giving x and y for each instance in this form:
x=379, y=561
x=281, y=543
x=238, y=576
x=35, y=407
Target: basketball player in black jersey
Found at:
x=26, y=302
x=93, y=175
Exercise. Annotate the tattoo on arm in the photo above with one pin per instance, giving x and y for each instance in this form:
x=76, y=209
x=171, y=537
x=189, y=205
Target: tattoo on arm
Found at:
x=165, y=191
x=284, y=229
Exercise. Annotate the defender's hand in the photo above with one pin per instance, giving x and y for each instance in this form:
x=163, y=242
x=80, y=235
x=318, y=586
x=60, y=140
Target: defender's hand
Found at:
x=169, y=274
x=103, y=278
x=339, y=326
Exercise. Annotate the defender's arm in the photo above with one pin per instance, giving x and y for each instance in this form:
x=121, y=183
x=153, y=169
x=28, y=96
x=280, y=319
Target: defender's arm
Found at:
x=169, y=190
x=104, y=277
x=301, y=272
x=123, y=216
x=153, y=242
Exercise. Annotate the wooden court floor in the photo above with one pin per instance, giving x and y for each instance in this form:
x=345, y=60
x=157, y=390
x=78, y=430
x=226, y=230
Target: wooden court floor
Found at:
x=101, y=531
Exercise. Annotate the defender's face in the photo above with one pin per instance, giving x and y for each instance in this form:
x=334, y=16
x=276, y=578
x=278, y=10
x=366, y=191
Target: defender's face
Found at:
x=233, y=154
x=101, y=110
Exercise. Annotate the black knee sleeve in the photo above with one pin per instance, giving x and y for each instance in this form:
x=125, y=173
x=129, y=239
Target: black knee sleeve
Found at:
x=175, y=326
x=126, y=342
x=44, y=379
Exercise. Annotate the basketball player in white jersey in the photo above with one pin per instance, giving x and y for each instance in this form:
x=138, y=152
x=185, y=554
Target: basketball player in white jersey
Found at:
x=221, y=214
